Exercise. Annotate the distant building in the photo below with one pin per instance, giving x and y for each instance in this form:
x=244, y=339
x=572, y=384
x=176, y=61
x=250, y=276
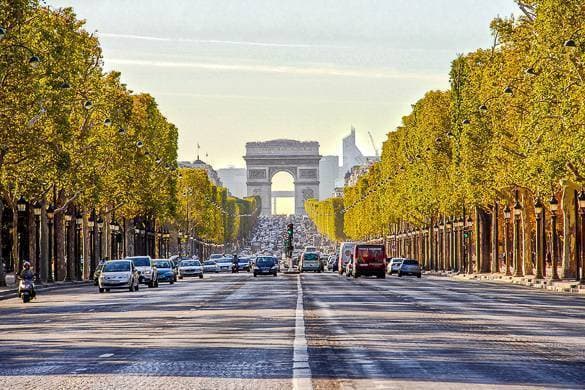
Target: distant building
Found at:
x=352, y=155
x=351, y=177
x=234, y=179
x=199, y=164
x=328, y=173
x=338, y=192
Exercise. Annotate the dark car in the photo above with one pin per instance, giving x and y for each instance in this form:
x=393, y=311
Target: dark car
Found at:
x=265, y=265
x=243, y=263
x=166, y=270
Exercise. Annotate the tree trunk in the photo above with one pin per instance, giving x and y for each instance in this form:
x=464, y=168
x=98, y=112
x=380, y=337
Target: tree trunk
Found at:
x=85, y=240
x=2, y=263
x=495, y=261
x=484, y=240
x=527, y=232
x=569, y=255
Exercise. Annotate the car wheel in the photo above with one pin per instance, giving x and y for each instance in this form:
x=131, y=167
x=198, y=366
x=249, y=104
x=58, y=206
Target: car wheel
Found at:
x=101, y=290
x=156, y=284
x=150, y=284
x=418, y=276
x=201, y=276
x=399, y=274
x=172, y=282
x=180, y=277
x=131, y=288
x=382, y=275
x=137, y=287
x=255, y=274
x=107, y=290
x=274, y=274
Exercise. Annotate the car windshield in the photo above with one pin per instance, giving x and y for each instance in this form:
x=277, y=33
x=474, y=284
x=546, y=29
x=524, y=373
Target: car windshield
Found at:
x=141, y=261
x=163, y=264
x=117, y=266
x=265, y=261
x=190, y=263
x=210, y=262
x=410, y=262
x=311, y=256
x=215, y=256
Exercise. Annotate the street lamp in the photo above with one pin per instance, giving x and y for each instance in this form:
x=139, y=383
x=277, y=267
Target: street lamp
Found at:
x=37, y=208
x=52, y=267
x=77, y=245
x=507, y=216
x=34, y=61
x=91, y=225
x=70, y=268
x=21, y=207
x=100, y=225
x=581, y=199
x=538, y=208
x=554, y=206
x=517, y=213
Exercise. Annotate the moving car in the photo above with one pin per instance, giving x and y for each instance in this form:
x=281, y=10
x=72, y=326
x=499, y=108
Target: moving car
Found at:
x=394, y=264
x=225, y=264
x=243, y=263
x=345, y=253
x=118, y=274
x=166, y=270
x=190, y=268
x=210, y=266
x=369, y=260
x=409, y=267
x=265, y=265
x=310, y=262
x=146, y=269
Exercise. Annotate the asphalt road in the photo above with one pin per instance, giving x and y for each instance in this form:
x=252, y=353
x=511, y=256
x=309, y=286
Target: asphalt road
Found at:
x=318, y=330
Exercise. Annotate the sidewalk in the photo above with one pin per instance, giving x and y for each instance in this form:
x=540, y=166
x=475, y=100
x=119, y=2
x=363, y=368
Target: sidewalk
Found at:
x=563, y=286
x=11, y=291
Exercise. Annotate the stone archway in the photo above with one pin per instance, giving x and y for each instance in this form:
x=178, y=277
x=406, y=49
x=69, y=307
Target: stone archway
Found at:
x=300, y=159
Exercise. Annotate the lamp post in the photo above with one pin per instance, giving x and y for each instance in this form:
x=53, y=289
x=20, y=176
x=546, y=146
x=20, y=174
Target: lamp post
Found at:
x=517, y=213
x=91, y=225
x=538, y=208
x=581, y=275
x=113, y=241
x=507, y=216
x=51, y=266
x=70, y=261
x=554, y=206
x=100, y=226
x=77, y=245
x=21, y=208
x=37, y=208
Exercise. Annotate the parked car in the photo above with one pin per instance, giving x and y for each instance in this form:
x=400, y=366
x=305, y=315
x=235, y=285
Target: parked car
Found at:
x=166, y=271
x=369, y=260
x=96, y=274
x=210, y=266
x=310, y=262
x=409, y=267
x=225, y=264
x=190, y=268
x=118, y=274
x=265, y=265
x=394, y=264
x=147, y=270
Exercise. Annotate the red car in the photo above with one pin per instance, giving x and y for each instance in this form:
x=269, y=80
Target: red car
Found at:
x=368, y=260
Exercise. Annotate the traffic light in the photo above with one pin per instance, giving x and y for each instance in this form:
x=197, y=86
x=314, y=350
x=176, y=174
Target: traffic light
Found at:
x=289, y=239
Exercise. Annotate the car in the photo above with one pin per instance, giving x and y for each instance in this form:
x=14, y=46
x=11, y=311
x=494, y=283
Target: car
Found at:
x=333, y=264
x=210, y=266
x=243, y=263
x=96, y=274
x=190, y=268
x=166, y=271
x=409, y=267
x=265, y=265
x=311, y=249
x=215, y=256
x=310, y=262
x=369, y=260
x=147, y=270
x=394, y=265
x=225, y=264
x=121, y=274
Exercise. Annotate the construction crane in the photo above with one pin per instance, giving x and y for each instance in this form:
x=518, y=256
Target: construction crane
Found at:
x=373, y=144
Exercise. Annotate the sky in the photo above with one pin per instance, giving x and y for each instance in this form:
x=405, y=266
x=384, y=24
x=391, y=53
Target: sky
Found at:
x=227, y=72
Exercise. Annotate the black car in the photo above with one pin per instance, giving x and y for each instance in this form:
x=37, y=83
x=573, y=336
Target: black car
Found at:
x=265, y=265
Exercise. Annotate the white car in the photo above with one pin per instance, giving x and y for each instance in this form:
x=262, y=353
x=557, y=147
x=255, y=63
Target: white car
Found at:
x=394, y=265
x=147, y=270
x=118, y=274
x=190, y=268
x=225, y=264
x=210, y=266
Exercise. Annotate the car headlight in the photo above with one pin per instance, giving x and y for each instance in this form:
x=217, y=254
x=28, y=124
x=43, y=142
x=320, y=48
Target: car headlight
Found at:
x=274, y=267
x=148, y=271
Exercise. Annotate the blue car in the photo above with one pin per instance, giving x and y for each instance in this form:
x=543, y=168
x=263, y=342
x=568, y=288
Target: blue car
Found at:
x=166, y=271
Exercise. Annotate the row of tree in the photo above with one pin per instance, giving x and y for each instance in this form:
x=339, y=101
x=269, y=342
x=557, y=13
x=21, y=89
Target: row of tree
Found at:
x=75, y=138
x=513, y=122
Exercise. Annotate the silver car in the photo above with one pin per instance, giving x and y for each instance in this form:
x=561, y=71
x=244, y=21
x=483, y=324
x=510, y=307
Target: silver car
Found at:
x=147, y=270
x=210, y=266
x=118, y=274
x=409, y=267
x=190, y=268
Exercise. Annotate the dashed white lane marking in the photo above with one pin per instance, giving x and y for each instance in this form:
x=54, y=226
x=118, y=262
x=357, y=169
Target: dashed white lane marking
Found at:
x=301, y=369
x=106, y=355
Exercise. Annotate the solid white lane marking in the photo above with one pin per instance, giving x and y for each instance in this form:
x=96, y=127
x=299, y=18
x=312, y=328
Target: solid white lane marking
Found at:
x=106, y=355
x=301, y=369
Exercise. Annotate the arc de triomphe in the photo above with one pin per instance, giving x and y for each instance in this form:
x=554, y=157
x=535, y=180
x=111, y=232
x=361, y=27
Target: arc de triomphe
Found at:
x=300, y=159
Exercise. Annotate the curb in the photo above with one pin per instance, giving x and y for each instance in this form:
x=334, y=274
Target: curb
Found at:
x=12, y=293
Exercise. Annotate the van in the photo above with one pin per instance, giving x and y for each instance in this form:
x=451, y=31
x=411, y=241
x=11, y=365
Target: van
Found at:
x=345, y=253
x=369, y=260
x=310, y=262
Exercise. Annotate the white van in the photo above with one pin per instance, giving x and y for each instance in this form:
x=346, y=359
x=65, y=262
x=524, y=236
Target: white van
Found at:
x=345, y=252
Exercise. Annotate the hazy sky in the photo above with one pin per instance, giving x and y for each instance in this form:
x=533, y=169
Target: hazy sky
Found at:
x=231, y=71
